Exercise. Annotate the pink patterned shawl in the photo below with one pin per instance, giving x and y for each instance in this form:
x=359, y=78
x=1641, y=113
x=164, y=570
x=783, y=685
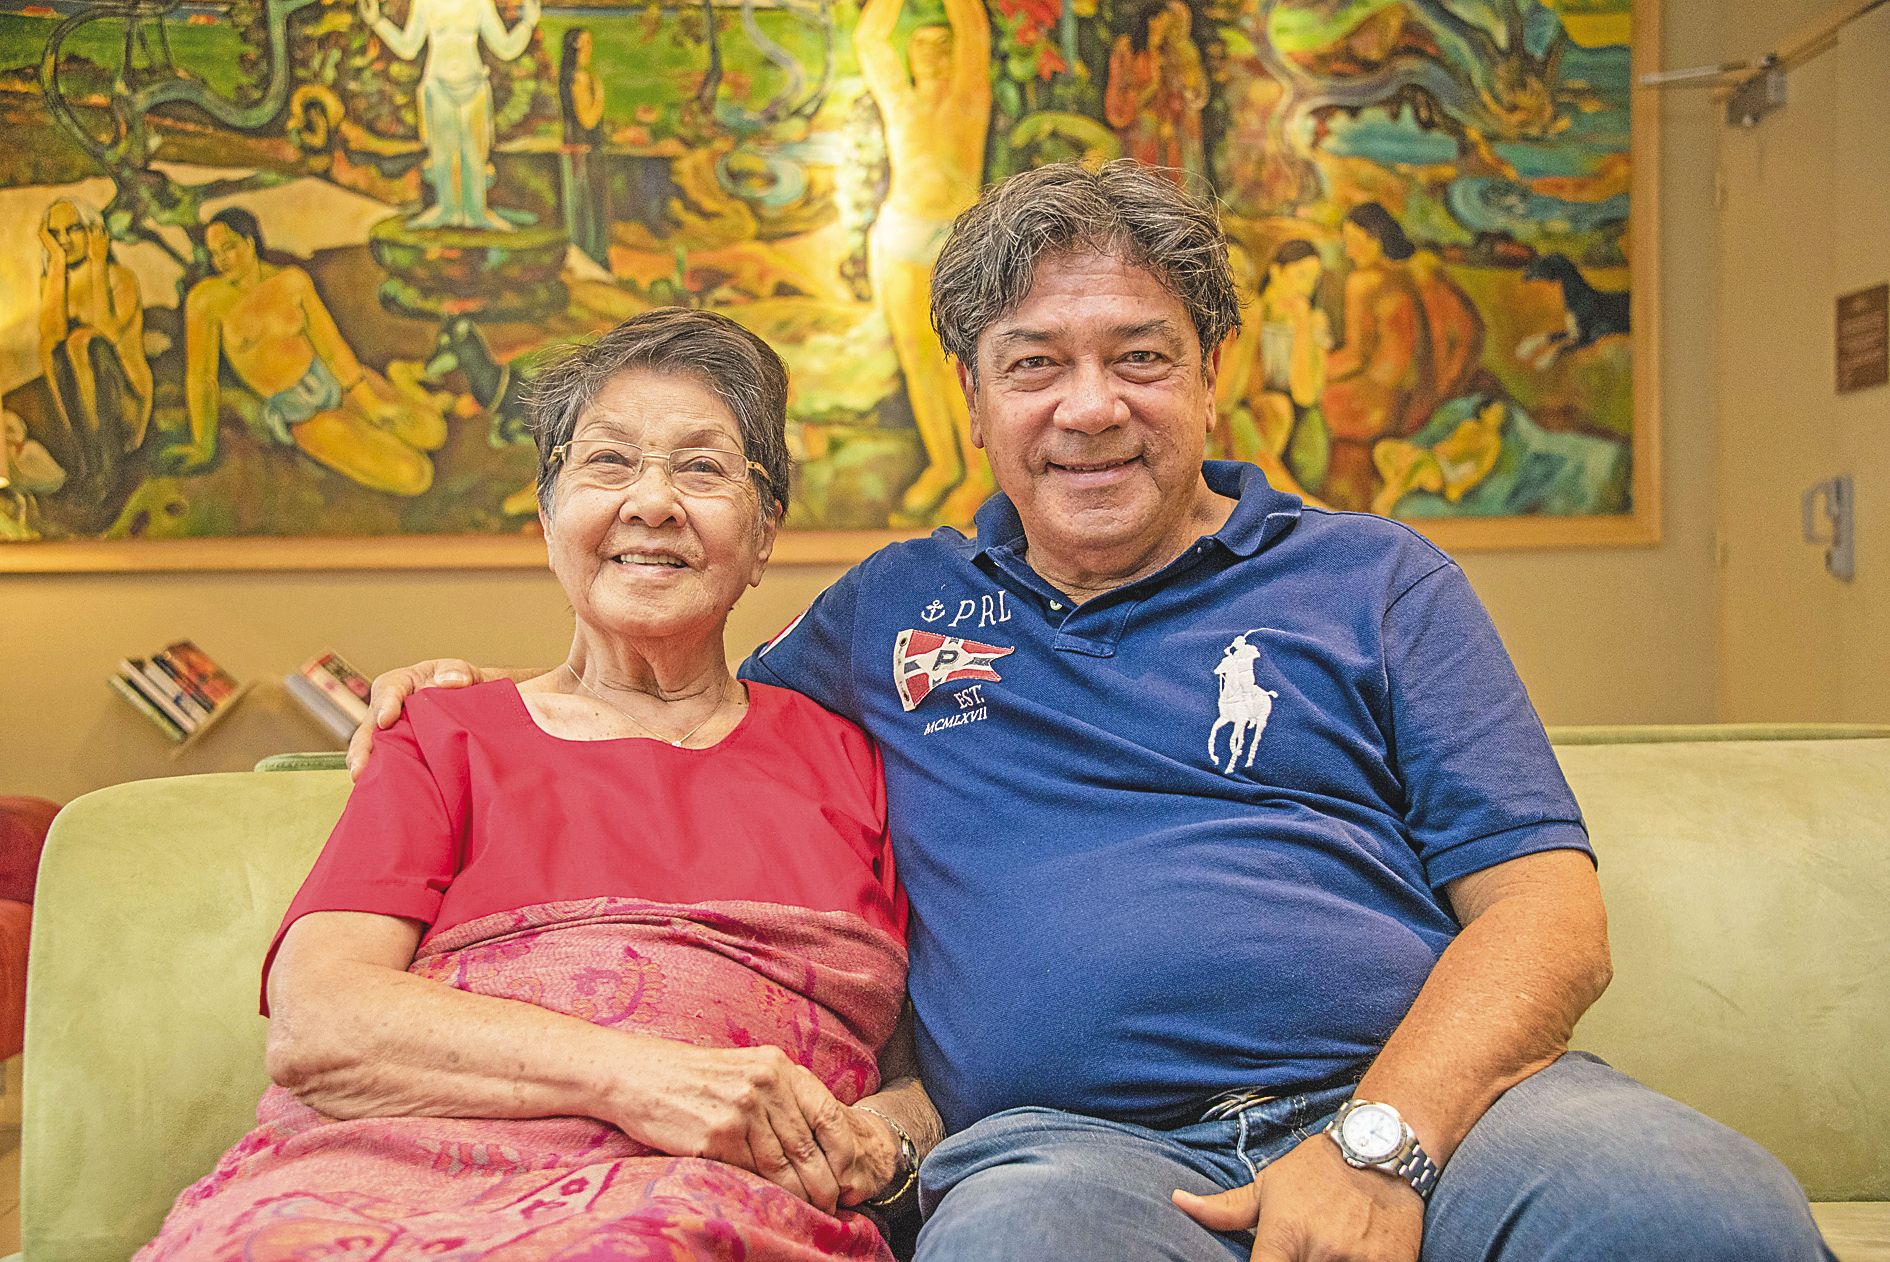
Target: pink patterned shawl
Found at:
x=823, y=986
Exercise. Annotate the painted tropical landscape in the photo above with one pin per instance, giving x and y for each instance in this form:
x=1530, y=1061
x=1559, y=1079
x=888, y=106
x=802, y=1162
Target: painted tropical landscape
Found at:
x=285, y=267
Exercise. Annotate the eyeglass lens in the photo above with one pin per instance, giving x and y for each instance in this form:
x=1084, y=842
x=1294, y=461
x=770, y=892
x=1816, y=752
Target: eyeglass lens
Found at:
x=691, y=470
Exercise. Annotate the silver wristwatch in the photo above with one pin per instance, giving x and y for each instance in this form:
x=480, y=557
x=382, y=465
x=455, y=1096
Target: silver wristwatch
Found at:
x=1372, y=1136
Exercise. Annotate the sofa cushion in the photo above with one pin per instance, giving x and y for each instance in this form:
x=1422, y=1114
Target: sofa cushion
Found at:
x=16, y=927
x=23, y=825
x=1746, y=883
x=143, y=1043
x=1857, y=1231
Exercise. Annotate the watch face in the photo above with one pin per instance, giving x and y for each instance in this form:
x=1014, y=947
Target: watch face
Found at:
x=1372, y=1132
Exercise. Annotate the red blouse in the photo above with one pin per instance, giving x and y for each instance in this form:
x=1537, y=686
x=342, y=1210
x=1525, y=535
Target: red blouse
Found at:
x=468, y=807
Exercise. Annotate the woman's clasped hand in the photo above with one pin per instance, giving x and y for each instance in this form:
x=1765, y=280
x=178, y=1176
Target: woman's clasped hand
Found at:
x=753, y=1107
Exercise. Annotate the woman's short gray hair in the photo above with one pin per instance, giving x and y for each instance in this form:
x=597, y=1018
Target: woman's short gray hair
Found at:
x=1122, y=209
x=741, y=369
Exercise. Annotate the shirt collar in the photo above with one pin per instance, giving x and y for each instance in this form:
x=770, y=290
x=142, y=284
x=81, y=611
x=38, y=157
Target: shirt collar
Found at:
x=1261, y=514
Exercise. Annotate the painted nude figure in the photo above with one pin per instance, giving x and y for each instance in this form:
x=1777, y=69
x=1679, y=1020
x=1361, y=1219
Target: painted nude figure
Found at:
x=1273, y=372
x=27, y=471
x=936, y=108
x=91, y=318
x=268, y=322
x=1155, y=95
x=1381, y=379
x=455, y=97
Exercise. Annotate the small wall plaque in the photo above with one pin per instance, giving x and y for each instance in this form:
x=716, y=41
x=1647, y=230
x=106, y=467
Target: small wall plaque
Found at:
x=1863, y=339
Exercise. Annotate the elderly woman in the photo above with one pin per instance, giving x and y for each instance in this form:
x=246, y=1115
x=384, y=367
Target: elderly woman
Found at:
x=610, y=962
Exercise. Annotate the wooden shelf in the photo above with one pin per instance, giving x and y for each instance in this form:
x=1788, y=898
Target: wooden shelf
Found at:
x=216, y=717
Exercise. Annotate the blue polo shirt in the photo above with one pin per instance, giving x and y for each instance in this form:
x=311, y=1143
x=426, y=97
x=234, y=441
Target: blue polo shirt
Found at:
x=1191, y=835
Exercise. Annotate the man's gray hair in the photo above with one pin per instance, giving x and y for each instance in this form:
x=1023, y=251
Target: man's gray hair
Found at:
x=741, y=369
x=1121, y=209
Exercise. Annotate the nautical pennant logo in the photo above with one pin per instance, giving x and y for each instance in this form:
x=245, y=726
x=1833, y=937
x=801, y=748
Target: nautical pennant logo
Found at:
x=922, y=660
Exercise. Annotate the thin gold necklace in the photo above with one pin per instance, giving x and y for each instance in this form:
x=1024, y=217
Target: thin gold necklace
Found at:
x=677, y=741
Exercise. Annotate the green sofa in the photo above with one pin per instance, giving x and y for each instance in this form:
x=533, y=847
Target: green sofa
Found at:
x=1747, y=873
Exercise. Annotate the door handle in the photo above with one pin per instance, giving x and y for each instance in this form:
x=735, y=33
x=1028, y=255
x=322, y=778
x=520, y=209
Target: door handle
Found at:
x=1834, y=500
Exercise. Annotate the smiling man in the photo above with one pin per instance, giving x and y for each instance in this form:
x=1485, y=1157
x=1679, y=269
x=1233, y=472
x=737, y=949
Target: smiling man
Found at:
x=1240, y=862
x=1247, y=894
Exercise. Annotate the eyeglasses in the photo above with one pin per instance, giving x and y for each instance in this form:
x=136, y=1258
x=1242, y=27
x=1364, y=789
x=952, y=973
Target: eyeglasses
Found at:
x=608, y=466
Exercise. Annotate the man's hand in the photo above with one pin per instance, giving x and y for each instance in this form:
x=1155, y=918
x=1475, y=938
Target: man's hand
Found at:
x=1309, y=1206
x=868, y=1170
x=392, y=689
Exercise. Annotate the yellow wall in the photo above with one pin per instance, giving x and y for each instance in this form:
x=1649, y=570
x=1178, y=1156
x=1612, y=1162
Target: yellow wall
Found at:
x=1621, y=635
x=1627, y=635
x=1803, y=221
x=65, y=732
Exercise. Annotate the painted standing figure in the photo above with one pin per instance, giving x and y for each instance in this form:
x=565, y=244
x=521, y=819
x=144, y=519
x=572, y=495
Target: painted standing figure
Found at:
x=1273, y=374
x=936, y=115
x=1385, y=365
x=1156, y=94
x=455, y=97
x=280, y=340
x=91, y=331
x=581, y=109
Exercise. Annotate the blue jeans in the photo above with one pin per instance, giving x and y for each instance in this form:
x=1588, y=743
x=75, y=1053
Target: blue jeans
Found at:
x=1576, y=1162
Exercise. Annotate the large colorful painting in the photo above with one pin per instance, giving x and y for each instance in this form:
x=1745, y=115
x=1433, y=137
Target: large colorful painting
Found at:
x=274, y=274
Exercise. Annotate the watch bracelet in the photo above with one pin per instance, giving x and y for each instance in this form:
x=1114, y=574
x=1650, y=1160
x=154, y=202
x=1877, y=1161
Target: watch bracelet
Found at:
x=1415, y=1167
x=908, y=1157
x=1418, y=1170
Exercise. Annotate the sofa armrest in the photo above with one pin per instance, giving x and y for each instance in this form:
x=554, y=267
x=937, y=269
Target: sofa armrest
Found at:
x=16, y=927
x=1746, y=879
x=144, y=1050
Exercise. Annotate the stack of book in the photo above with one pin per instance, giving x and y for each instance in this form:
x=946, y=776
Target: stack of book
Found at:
x=331, y=690
x=181, y=689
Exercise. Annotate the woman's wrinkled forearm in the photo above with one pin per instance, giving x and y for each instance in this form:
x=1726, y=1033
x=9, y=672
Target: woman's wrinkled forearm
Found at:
x=363, y=1040
x=354, y=1035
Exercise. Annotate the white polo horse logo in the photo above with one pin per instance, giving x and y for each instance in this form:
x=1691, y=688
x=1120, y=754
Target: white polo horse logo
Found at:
x=1245, y=705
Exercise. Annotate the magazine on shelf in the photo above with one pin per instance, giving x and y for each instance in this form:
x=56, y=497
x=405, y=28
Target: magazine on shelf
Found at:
x=132, y=671
x=167, y=686
x=319, y=704
x=355, y=682
x=163, y=722
x=183, y=681
x=347, y=686
x=198, y=672
x=338, y=695
x=180, y=688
